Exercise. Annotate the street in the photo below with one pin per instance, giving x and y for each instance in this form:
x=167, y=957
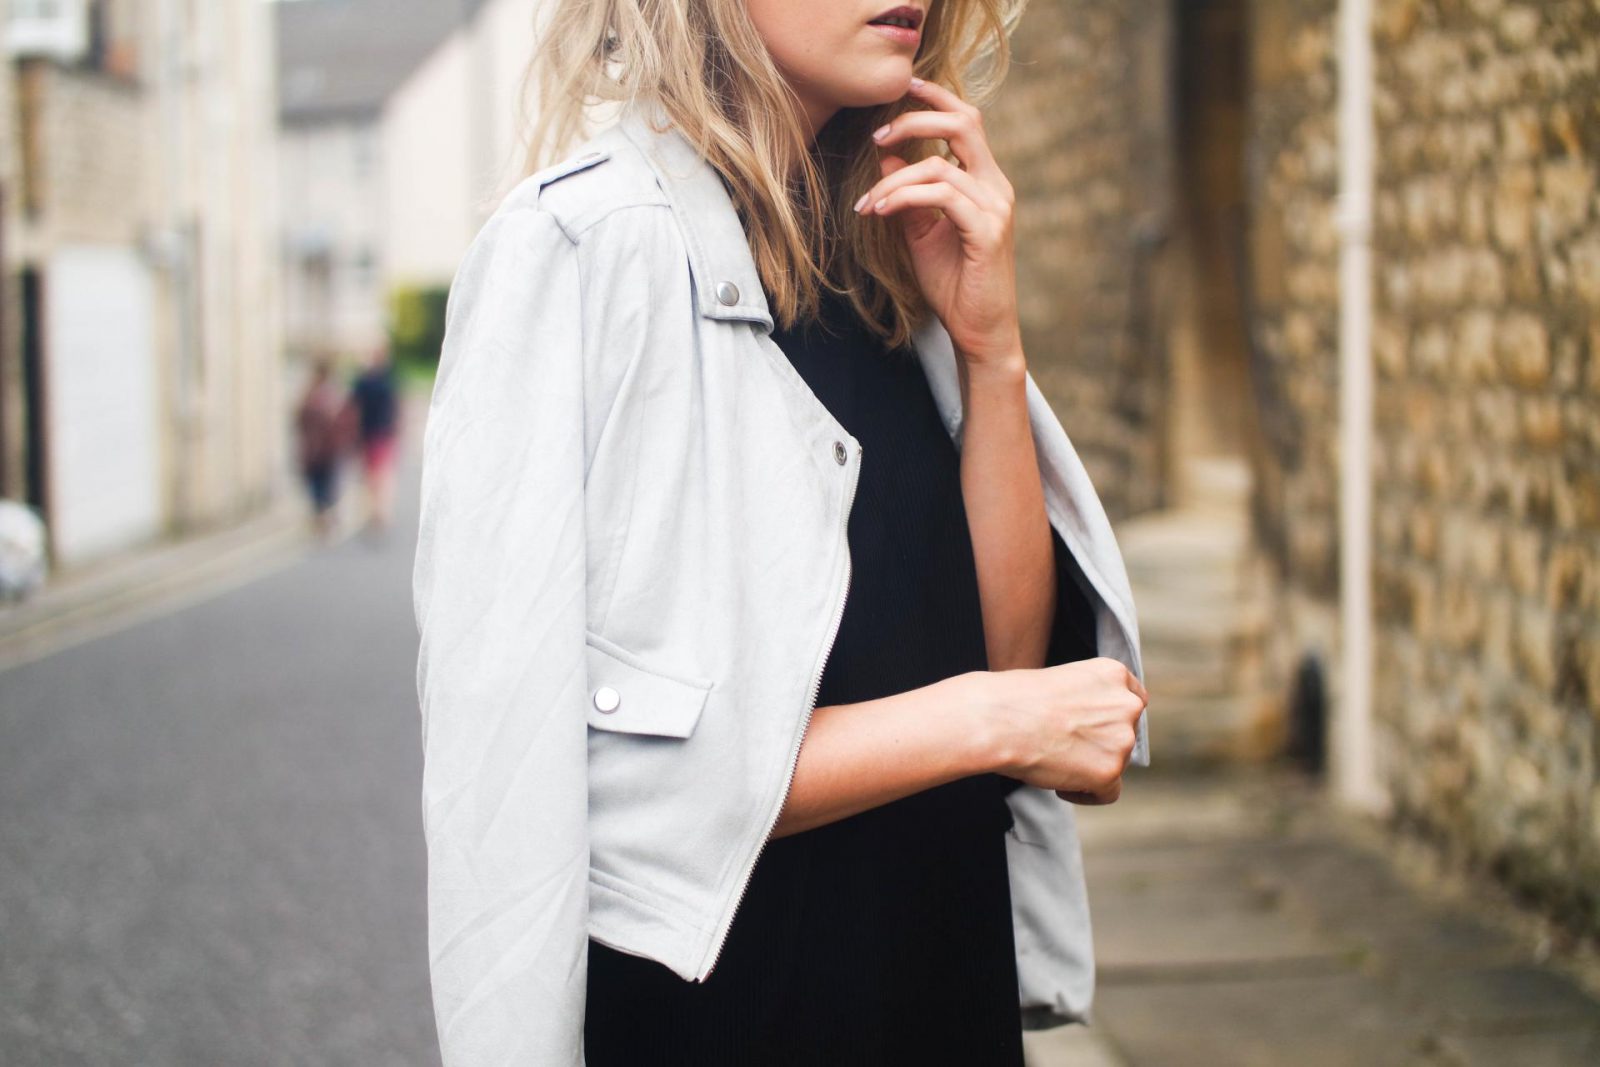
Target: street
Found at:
x=212, y=847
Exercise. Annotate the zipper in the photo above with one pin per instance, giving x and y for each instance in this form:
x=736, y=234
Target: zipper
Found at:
x=811, y=706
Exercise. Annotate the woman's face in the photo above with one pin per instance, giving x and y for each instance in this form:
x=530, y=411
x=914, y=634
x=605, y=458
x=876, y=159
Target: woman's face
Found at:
x=833, y=53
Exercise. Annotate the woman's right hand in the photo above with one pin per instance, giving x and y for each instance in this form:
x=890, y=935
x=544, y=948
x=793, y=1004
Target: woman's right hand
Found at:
x=1070, y=727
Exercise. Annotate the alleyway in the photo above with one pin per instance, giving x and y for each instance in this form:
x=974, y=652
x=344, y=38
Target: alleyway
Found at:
x=211, y=854
x=1237, y=924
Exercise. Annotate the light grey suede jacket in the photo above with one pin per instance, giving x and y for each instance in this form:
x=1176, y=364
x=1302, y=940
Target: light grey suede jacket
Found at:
x=631, y=567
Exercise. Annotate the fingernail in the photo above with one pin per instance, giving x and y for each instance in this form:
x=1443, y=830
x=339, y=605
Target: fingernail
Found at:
x=862, y=201
x=916, y=83
x=879, y=133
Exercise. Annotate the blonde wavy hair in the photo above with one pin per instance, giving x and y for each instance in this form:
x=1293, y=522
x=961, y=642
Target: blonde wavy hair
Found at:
x=705, y=64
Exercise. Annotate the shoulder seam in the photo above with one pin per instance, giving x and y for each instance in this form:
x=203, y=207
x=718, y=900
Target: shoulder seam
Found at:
x=530, y=212
x=573, y=231
x=589, y=221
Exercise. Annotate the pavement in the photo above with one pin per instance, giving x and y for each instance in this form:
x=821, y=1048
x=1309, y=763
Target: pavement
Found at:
x=211, y=850
x=1240, y=920
x=85, y=602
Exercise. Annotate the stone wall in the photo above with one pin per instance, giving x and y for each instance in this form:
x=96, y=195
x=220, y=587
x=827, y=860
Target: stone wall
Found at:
x=1487, y=515
x=93, y=148
x=1486, y=254
x=1292, y=173
x=1486, y=279
x=1080, y=133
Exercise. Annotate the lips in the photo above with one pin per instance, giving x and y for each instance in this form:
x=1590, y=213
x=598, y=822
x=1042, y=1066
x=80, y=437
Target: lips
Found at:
x=904, y=15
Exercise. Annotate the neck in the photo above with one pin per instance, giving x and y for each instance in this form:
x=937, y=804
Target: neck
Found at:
x=814, y=114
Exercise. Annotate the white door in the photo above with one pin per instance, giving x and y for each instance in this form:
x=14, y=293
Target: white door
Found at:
x=103, y=404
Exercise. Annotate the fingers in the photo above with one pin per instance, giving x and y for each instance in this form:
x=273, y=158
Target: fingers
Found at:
x=968, y=217
x=1109, y=795
x=954, y=120
x=1121, y=675
x=931, y=170
x=1101, y=707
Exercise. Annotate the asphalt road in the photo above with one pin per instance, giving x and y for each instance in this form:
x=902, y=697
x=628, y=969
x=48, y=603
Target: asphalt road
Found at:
x=210, y=829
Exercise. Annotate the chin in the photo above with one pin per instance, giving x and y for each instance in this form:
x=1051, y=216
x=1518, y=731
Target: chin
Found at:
x=883, y=87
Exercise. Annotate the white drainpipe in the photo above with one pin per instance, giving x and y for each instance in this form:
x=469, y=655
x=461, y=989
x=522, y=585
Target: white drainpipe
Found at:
x=1355, y=776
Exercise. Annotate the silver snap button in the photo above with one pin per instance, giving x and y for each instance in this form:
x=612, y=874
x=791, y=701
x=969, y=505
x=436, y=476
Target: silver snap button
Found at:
x=607, y=698
x=839, y=452
x=727, y=292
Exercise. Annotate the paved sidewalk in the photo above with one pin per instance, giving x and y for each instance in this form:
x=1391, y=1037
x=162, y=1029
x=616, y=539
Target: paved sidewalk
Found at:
x=98, y=598
x=1239, y=921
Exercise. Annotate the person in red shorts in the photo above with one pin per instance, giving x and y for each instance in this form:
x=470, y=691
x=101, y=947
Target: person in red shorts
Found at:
x=374, y=399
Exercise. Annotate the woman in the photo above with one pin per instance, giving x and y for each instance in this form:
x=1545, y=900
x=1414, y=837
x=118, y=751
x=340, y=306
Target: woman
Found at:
x=321, y=433
x=767, y=614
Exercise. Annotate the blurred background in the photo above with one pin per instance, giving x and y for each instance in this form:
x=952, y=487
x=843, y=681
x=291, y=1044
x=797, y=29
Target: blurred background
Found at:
x=1311, y=283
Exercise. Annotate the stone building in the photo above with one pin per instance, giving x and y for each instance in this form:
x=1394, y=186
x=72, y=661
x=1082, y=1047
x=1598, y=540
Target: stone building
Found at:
x=395, y=150
x=1266, y=242
x=142, y=388
x=336, y=79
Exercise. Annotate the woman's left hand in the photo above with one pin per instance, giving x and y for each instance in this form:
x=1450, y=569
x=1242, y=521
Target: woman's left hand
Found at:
x=957, y=221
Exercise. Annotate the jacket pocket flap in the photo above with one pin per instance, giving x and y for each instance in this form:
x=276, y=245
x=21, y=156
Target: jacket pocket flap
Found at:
x=628, y=697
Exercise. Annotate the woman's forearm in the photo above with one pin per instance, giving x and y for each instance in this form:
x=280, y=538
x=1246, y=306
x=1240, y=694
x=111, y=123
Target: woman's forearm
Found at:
x=1004, y=498
x=858, y=756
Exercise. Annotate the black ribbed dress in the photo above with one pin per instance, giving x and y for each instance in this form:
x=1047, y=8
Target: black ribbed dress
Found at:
x=884, y=938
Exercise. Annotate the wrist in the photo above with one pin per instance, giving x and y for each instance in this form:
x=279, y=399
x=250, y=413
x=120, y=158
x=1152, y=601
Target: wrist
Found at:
x=993, y=383
x=1005, y=362
x=988, y=740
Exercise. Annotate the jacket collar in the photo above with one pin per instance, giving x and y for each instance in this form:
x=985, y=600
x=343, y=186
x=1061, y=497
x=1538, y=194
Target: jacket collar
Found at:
x=726, y=282
x=719, y=250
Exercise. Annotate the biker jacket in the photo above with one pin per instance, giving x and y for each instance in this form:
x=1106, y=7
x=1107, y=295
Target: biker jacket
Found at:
x=631, y=566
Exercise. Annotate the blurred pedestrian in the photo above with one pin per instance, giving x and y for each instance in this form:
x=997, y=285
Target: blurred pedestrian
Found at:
x=375, y=401
x=320, y=435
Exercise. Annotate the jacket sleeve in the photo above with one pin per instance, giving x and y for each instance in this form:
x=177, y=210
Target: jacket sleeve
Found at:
x=499, y=595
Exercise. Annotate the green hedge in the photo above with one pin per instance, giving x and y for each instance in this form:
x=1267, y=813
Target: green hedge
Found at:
x=416, y=325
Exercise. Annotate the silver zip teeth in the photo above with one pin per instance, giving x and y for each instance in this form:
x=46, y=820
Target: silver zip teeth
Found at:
x=811, y=706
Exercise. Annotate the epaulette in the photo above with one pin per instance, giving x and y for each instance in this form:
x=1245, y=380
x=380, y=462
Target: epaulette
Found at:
x=557, y=171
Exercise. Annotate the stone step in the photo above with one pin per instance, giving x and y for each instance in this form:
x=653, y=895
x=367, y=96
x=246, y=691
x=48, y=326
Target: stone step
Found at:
x=1166, y=686
x=1198, y=629
x=1200, y=621
x=1185, y=657
x=1220, y=553
x=1196, y=729
x=1185, y=591
x=1219, y=481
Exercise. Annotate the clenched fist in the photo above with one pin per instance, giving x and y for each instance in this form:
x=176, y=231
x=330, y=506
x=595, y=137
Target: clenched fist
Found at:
x=1070, y=728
